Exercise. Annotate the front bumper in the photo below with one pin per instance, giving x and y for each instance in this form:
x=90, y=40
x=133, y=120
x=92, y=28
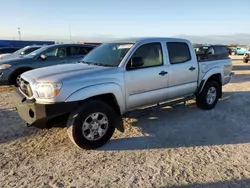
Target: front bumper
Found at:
x=40, y=115
x=4, y=76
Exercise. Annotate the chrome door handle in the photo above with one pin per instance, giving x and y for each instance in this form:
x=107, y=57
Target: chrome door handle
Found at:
x=192, y=68
x=162, y=73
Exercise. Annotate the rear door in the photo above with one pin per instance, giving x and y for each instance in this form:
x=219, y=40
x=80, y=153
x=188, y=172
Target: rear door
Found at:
x=183, y=70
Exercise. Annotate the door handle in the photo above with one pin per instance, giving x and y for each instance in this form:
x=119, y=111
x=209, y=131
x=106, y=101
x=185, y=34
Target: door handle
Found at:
x=192, y=68
x=162, y=73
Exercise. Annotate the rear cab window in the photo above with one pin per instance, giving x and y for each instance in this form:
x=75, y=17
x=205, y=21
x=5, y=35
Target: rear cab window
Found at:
x=178, y=52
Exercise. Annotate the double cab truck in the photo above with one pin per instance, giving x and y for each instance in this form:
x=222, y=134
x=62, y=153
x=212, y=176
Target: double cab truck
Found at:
x=117, y=77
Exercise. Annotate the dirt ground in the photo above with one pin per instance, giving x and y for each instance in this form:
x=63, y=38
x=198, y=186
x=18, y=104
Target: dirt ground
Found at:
x=180, y=147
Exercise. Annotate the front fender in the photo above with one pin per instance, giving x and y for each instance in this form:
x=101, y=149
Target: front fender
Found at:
x=99, y=89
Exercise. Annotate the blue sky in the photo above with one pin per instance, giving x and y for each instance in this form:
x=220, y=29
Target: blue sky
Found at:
x=51, y=18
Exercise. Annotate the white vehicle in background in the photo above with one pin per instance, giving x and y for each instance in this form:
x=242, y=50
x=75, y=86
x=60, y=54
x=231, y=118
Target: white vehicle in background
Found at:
x=246, y=56
x=117, y=77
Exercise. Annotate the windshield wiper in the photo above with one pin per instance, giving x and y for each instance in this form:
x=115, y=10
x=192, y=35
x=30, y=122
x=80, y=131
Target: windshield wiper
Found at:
x=85, y=62
x=104, y=65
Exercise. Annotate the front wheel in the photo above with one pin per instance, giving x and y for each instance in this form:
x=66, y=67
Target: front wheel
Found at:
x=92, y=125
x=209, y=96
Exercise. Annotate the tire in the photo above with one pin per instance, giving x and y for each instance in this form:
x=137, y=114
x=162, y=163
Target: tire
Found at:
x=16, y=76
x=201, y=99
x=245, y=60
x=15, y=79
x=82, y=118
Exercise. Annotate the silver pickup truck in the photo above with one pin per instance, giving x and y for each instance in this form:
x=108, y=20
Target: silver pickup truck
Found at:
x=117, y=77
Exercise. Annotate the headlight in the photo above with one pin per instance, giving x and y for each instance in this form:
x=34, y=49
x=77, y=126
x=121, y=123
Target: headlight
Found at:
x=4, y=66
x=47, y=90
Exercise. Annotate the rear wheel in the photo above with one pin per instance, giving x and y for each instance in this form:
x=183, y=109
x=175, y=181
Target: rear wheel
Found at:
x=209, y=96
x=92, y=125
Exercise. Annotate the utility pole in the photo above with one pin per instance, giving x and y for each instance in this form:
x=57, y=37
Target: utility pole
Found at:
x=70, y=33
x=19, y=33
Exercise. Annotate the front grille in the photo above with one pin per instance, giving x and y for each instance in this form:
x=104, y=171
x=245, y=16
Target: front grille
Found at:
x=25, y=88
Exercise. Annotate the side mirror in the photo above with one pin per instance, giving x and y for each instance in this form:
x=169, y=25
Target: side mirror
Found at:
x=43, y=57
x=136, y=62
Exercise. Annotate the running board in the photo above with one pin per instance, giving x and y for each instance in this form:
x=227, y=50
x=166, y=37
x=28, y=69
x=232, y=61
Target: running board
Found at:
x=146, y=110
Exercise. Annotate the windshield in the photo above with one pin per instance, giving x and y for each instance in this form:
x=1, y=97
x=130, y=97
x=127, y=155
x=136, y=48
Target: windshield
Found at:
x=38, y=51
x=108, y=54
x=20, y=50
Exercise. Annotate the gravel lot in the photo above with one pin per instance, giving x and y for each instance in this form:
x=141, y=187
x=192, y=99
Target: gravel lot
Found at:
x=180, y=147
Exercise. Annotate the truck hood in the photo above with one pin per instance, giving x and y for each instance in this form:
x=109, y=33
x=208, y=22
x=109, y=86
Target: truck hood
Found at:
x=64, y=73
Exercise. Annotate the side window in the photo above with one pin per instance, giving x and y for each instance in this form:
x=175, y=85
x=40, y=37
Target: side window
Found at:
x=178, y=52
x=150, y=55
x=84, y=50
x=56, y=52
x=73, y=51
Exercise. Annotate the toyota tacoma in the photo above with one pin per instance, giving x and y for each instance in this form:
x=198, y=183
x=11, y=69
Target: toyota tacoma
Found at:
x=117, y=77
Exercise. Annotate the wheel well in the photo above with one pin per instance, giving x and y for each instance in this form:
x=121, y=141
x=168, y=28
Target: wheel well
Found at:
x=110, y=99
x=17, y=72
x=217, y=78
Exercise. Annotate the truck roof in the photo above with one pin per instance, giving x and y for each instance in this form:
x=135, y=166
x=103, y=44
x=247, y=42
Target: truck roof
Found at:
x=147, y=39
x=71, y=44
x=208, y=45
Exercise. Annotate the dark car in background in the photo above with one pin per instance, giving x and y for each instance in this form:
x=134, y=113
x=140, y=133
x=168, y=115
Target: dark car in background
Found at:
x=7, y=50
x=21, y=52
x=211, y=52
x=10, y=70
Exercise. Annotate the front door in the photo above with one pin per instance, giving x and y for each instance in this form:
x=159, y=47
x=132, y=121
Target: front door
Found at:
x=146, y=84
x=54, y=56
